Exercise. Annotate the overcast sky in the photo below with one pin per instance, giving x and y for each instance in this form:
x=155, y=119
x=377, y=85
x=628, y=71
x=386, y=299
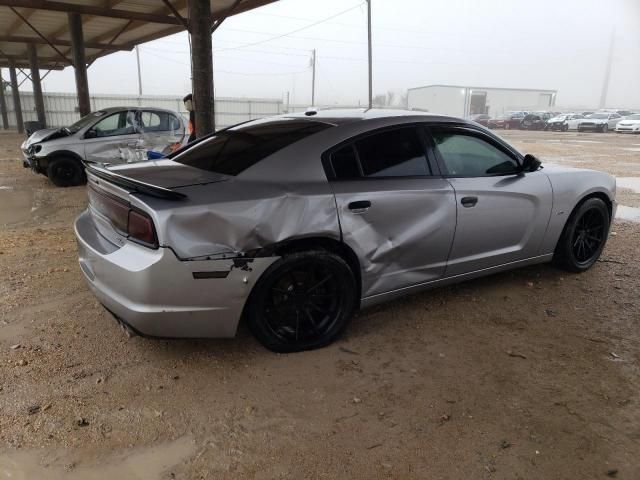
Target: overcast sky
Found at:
x=543, y=44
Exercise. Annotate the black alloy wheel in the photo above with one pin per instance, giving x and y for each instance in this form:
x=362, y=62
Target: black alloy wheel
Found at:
x=584, y=236
x=303, y=301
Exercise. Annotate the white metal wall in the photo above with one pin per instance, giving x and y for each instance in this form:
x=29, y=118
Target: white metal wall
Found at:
x=61, y=108
x=451, y=100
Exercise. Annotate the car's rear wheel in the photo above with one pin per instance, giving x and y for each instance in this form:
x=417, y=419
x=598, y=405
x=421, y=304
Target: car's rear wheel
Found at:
x=565, y=128
x=66, y=172
x=605, y=128
x=584, y=236
x=303, y=301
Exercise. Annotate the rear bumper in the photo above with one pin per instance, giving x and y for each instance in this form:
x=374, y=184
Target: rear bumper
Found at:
x=156, y=293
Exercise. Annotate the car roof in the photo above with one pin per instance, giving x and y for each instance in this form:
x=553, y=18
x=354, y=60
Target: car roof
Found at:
x=340, y=116
x=119, y=109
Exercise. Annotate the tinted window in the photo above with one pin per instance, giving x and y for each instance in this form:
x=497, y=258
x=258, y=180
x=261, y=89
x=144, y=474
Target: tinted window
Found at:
x=345, y=163
x=230, y=152
x=470, y=156
x=394, y=153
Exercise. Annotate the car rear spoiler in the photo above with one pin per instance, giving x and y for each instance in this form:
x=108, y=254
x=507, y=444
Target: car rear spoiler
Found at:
x=132, y=184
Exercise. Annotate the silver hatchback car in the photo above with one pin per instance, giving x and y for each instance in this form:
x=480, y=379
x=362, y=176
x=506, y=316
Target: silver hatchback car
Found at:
x=110, y=136
x=294, y=222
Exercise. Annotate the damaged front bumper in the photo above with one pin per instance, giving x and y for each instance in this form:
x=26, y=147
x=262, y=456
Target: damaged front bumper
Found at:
x=157, y=294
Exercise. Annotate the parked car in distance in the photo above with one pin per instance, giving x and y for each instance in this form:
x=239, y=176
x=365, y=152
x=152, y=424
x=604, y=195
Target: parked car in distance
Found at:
x=630, y=124
x=295, y=222
x=481, y=118
x=109, y=136
x=507, y=121
x=564, y=122
x=535, y=121
x=599, y=122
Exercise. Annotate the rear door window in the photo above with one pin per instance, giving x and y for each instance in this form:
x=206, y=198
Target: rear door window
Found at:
x=390, y=153
x=230, y=152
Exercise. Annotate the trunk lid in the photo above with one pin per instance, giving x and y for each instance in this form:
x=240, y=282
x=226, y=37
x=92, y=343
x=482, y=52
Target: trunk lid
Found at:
x=167, y=174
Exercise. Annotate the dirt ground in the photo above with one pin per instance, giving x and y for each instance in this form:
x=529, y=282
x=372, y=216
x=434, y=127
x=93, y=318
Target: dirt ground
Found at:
x=531, y=374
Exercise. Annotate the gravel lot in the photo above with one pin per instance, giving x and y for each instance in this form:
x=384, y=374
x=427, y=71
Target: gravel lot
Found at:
x=531, y=374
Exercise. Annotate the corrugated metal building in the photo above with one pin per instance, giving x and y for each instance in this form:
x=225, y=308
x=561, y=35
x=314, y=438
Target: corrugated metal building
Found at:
x=461, y=101
x=61, y=109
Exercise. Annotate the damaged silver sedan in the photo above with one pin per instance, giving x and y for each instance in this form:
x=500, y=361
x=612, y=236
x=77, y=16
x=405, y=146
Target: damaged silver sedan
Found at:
x=295, y=222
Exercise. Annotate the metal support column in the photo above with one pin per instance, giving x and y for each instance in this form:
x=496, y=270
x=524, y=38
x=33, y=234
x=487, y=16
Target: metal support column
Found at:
x=3, y=104
x=37, y=86
x=369, y=53
x=79, y=63
x=17, y=107
x=202, y=65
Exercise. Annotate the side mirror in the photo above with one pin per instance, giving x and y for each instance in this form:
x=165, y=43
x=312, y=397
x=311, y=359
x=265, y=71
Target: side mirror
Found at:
x=91, y=134
x=530, y=163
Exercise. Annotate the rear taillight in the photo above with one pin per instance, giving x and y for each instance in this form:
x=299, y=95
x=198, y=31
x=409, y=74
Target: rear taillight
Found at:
x=134, y=224
x=141, y=228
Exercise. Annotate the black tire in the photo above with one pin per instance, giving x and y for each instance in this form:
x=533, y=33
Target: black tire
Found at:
x=282, y=312
x=66, y=172
x=584, y=236
x=565, y=128
x=605, y=128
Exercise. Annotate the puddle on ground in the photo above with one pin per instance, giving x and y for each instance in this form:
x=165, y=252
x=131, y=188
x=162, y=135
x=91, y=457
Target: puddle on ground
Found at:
x=140, y=464
x=15, y=206
x=631, y=149
x=631, y=214
x=631, y=183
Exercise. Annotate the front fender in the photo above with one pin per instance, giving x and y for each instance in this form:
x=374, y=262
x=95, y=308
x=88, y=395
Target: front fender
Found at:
x=570, y=188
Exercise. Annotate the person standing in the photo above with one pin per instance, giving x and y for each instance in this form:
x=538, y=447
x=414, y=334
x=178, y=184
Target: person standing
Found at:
x=188, y=104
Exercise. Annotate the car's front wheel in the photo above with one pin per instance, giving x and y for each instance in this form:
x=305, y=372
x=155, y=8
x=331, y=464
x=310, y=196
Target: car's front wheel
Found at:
x=583, y=237
x=303, y=301
x=66, y=172
x=605, y=128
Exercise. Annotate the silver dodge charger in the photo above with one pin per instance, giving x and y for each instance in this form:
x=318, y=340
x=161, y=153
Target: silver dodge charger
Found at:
x=294, y=222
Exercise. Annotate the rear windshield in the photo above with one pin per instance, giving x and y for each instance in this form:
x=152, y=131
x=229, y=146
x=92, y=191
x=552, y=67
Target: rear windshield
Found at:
x=230, y=152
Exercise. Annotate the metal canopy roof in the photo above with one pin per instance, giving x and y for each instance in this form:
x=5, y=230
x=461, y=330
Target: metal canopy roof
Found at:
x=108, y=25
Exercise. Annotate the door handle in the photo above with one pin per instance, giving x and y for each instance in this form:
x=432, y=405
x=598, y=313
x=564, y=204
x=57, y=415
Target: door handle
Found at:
x=360, y=206
x=468, y=202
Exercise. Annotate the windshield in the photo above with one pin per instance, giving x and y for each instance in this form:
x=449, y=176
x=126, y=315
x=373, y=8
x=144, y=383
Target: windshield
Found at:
x=599, y=115
x=561, y=117
x=232, y=151
x=85, y=121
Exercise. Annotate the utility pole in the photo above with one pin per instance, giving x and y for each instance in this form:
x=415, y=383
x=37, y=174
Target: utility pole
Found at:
x=139, y=73
x=287, y=101
x=607, y=72
x=369, y=45
x=313, y=78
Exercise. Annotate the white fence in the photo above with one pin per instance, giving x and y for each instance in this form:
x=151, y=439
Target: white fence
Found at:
x=61, y=108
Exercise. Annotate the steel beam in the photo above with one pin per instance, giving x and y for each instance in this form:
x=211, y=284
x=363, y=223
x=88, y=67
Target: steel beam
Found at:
x=57, y=41
x=17, y=106
x=79, y=63
x=202, y=65
x=91, y=10
x=3, y=104
x=37, y=86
